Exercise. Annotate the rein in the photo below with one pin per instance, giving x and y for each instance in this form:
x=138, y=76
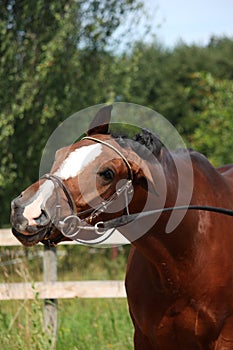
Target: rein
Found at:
x=72, y=224
x=126, y=219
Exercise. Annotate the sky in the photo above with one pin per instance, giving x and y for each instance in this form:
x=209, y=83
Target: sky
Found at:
x=189, y=20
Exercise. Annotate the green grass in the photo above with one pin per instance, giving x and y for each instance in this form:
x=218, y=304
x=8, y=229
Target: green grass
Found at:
x=83, y=324
x=95, y=324
x=20, y=264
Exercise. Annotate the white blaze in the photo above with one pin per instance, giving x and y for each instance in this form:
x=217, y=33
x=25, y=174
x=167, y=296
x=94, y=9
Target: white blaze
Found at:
x=70, y=167
x=33, y=209
x=78, y=160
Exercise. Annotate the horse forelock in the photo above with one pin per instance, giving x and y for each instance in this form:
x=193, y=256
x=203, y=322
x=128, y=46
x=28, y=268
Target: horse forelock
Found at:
x=150, y=141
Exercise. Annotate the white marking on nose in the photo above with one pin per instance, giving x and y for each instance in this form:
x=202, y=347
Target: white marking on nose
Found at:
x=78, y=160
x=33, y=210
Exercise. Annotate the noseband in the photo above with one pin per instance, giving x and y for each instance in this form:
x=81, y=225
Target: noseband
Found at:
x=57, y=181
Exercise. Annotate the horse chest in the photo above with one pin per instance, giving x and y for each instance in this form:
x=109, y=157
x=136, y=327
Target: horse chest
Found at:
x=172, y=326
x=169, y=322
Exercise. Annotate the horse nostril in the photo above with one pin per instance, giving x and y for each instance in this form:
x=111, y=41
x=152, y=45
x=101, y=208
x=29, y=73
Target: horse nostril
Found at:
x=14, y=204
x=43, y=219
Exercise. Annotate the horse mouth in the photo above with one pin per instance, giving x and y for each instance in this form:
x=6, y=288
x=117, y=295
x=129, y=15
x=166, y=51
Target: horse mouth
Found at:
x=33, y=239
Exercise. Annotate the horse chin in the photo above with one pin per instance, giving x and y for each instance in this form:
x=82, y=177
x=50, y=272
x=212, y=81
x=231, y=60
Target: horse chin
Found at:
x=33, y=239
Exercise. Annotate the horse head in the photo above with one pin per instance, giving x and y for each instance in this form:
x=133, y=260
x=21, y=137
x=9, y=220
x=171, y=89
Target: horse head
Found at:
x=101, y=176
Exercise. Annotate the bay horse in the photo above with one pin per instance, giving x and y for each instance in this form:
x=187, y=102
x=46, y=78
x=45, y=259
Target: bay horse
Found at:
x=179, y=285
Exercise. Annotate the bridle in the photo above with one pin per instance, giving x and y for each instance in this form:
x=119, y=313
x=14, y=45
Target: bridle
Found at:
x=72, y=224
x=130, y=171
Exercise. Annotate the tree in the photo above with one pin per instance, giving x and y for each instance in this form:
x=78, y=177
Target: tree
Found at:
x=53, y=63
x=155, y=76
x=208, y=125
x=220, y=52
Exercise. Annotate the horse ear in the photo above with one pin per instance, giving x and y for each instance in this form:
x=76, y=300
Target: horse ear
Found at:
x=100, y=123
x=145, y=180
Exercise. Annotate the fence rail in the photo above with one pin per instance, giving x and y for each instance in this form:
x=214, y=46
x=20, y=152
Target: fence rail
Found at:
x=59, y=290
x=50, y=290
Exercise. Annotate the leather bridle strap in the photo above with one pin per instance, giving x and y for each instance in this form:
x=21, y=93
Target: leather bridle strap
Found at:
x=56, y=180
x=126, y=219
x=58, y=183
x=130, y=172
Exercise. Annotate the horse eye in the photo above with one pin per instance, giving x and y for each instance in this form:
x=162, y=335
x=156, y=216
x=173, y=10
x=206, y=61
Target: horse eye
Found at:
x=107, y=174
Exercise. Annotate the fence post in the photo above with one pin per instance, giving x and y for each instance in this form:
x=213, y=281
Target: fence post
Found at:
x=50, y=305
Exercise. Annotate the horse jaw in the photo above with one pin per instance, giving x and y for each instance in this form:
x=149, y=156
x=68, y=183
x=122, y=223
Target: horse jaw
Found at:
x=30, y=240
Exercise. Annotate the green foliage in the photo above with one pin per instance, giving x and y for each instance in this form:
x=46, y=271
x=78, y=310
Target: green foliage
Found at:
x=153, y=76
x=53, y=63
x=209, y=123
x=189, y=85
x=75, y=262
x=95, y=324
x=82, y=325
x=124, y=130
x=219, y=58
x=22, y=326
x=84, y=263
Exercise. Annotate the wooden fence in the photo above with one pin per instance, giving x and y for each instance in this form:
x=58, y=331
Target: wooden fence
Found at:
x=50, y=289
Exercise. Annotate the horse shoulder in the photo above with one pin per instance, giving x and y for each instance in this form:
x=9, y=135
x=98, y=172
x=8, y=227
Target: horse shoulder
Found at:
x=146, y=298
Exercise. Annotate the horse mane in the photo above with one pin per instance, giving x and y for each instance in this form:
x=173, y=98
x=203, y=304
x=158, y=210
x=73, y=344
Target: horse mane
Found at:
x=143, y=142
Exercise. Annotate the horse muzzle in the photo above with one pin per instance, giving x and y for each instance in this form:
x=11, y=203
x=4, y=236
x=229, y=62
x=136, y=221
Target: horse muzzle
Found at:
x=29, y=230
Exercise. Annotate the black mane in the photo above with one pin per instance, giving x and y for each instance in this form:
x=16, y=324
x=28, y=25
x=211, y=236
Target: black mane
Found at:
x=143, y=143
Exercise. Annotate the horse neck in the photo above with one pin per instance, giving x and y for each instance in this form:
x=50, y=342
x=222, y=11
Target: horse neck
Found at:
x=166, y=251
x=171, y=177
x=190, y=240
